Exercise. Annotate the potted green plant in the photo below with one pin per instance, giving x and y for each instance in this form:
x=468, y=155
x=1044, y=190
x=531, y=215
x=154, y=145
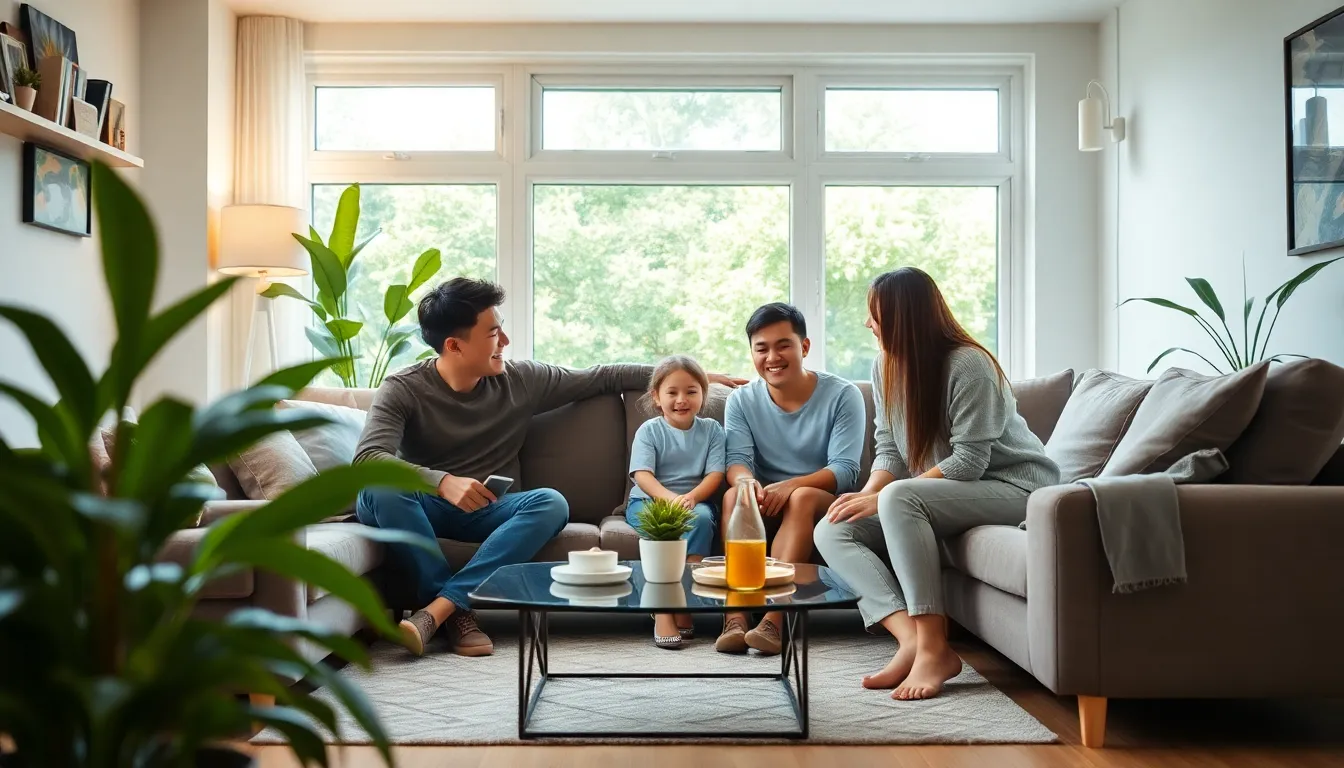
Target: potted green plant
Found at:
x=662, y=551
x=338, y=333
x=1252, y=349
x=26, y=83
x=107, y=666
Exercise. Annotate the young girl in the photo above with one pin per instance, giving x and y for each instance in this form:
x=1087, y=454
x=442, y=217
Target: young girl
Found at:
x=680, y=457
x=952, y=453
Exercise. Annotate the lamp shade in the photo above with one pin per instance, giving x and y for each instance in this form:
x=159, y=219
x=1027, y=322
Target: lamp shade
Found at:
x=258, y=240
x=1091, y=122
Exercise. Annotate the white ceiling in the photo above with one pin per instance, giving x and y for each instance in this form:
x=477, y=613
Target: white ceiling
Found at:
x=689, y=11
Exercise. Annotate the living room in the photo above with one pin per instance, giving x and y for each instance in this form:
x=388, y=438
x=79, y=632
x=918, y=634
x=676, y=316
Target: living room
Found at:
x=639, y=179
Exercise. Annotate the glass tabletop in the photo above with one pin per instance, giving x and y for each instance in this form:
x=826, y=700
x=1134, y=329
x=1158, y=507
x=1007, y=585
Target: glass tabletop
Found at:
x=529, y=585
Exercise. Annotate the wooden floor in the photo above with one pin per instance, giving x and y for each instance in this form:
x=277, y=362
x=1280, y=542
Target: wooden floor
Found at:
x=1162, y=734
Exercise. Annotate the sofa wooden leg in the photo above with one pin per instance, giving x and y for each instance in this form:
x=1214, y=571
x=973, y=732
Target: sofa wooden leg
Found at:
x=1092, y=720
x=261, y=699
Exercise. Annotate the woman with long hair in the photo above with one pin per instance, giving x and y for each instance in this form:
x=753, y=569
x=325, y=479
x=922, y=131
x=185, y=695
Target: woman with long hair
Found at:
x=952, y=453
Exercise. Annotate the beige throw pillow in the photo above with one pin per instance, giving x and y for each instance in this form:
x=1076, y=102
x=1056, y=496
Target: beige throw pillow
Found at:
x=330, y=445
x=271, y=466
x=1186, y=412
x=1297, y=428
x=1042, y=400
x=1094, y=419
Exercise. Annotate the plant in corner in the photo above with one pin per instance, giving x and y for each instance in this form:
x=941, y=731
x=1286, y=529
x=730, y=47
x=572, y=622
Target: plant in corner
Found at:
x=338, y=334
x=1251, y=350
x=662, y=551
x=107, y=666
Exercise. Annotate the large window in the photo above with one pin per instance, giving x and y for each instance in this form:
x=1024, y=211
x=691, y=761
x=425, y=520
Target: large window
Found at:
x=949, y=232
x=633, y=211
x=634, y=273
x=458, y=219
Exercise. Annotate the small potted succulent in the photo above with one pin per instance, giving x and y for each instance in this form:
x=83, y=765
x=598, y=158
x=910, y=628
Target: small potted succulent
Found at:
x=26, y=83
x=662, y=550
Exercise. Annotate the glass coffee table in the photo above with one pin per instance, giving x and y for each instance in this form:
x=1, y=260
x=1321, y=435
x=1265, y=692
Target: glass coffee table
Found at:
x=529, y=589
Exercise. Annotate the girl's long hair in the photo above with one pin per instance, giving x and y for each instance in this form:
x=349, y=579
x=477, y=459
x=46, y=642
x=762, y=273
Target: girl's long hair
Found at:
x=917, y=333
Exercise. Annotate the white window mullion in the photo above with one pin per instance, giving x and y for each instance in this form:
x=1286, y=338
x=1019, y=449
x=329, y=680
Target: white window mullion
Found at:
x=807, y=284
x=515, y=256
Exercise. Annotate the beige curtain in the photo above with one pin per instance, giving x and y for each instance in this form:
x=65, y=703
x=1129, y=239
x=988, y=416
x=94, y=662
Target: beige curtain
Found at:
x=269, y=154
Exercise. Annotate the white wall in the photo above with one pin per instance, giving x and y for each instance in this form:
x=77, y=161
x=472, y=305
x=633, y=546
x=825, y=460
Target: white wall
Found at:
x=223, y=45
x=56, y=274
x=1201, y=176
x=1062, y=214
x=188, y=169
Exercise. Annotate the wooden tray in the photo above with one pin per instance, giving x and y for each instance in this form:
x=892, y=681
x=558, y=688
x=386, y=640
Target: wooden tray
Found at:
x=776, y=574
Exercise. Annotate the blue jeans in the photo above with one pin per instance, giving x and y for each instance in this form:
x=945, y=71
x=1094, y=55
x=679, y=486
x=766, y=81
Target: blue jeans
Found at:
x=700, y=540
x=511, y=530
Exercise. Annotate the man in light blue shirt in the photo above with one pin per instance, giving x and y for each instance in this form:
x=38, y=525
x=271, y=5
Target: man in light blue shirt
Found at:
x=799, y=433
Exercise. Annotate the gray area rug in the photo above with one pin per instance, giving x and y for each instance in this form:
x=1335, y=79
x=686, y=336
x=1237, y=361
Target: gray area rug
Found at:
x=447, y=699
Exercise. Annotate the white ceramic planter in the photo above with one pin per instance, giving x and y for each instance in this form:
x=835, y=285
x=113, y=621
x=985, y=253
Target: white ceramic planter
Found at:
x=663, y=562
x=659, y=596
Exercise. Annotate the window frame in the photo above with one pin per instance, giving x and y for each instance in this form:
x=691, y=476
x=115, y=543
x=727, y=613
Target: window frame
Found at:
x=802, y=163
x=653, y=80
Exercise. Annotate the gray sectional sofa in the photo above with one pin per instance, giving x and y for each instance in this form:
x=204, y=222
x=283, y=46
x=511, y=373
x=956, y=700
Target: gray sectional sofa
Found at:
x=1258, y=614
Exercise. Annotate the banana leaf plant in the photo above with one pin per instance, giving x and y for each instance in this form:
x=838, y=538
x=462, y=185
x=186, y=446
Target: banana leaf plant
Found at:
x=105, y=663
x=338, y=333
x=1252, y=349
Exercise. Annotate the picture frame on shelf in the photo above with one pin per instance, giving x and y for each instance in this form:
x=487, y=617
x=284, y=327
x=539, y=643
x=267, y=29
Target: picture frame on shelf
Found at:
x=57, y=191
x=13, y=57
x=46, y=36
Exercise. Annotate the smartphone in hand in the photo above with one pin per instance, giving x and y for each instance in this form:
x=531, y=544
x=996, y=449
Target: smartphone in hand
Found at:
x=498, y=485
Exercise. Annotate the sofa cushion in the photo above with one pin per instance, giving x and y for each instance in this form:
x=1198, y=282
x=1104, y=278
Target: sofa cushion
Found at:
x=580, y=451
x=1296, y=430
x=618, y=536
x=1093, y=422
x=330, y=445
x=360, y=397
x=342, y=543
x=272, y=465
x=994, y=554
x=1042, y=400
x=179, y=549
x=574, y=537
x=1186, y=412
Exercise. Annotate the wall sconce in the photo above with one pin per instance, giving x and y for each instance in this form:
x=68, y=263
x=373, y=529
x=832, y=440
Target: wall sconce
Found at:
x=1094, y=116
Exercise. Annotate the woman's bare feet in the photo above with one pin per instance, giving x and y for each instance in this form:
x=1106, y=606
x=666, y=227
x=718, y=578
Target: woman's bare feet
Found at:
x=928, y=675
x=896, y=670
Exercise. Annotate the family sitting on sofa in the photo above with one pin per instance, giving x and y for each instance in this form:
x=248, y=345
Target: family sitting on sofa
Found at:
x=952, y=453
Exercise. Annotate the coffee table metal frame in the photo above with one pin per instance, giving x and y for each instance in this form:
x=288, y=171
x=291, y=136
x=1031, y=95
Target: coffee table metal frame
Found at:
x=534, y=653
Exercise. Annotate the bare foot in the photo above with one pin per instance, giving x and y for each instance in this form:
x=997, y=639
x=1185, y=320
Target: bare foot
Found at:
x=896, y=670
x=928, y=675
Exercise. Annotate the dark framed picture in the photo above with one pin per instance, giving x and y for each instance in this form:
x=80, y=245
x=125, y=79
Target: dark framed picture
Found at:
x=1313, y=71
x=46, y=36
x=56, y=191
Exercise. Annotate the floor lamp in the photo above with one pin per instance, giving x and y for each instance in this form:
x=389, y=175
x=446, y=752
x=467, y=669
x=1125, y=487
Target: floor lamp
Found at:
x=257, y=241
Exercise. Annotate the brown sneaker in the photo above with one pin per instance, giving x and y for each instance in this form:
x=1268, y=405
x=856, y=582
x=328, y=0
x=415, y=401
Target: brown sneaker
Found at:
x=734, y=637
x=416, y=631
x=764, y=638
x=468, y=639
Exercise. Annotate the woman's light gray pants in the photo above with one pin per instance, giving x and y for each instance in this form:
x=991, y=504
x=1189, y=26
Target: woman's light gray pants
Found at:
x=912, y=516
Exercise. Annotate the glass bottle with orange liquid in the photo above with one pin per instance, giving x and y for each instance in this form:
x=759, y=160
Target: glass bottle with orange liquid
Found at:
x=744, y=543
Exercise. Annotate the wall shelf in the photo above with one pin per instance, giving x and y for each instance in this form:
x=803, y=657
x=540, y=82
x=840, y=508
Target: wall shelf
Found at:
x=26, y=126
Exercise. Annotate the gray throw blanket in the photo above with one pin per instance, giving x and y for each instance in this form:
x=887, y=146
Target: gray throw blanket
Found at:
x=1140, y=521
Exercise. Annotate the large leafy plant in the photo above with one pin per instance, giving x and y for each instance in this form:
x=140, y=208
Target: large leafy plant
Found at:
x=339, y=334
x=1252, y=349
x=105, y=663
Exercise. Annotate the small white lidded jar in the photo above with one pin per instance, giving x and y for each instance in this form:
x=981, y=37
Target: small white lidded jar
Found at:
x=594, y=560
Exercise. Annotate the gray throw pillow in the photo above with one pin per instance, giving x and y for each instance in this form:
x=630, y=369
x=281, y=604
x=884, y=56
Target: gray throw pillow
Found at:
x=1041, y=401
x=1186, y=412
x=1297, y=428
x=1094, y=419
x=271, y=466
x=330, y=445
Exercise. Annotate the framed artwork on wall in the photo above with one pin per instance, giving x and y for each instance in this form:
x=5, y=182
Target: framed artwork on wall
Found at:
x=56, y=191
x=46, y=36
x=1313, y=69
